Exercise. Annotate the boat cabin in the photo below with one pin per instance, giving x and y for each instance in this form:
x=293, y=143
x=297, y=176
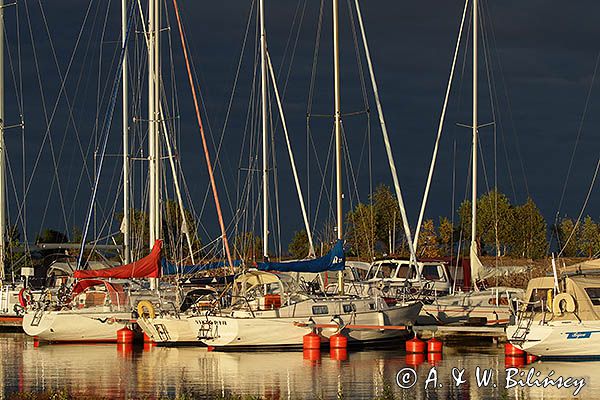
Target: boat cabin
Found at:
x=431, y=275
x=577, y=297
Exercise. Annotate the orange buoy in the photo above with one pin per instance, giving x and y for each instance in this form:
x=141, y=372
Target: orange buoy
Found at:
x=313, y=355
x=125, y=335
x=338, y=353
x=311, y=341
x=434, y=345
x=512, y=351
x=415, y=345
x=338, y=341
x=434, y=358
x=36, y=341
x=530, y=358
x=415, y=359
x=148, y=346
x=512, y=361
x=124, y=349
x=210, y=348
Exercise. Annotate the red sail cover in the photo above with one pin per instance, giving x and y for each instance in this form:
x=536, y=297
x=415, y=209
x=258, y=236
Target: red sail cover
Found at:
x=147, y=267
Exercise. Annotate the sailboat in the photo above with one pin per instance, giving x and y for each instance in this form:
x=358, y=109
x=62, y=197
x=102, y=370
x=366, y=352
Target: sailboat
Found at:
x=103, y=301
x=100, y=303
x=560, y=314
x=269, y=308
x=480, y=306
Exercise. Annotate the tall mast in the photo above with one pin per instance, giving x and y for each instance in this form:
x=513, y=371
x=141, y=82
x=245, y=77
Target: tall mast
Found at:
x=473, y=260
x=338, y=131
x=153, y=119
x=125, y=83
x=2, y=149
x=265, y=136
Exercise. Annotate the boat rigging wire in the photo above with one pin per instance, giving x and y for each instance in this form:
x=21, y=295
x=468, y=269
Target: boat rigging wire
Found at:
x=204, y=144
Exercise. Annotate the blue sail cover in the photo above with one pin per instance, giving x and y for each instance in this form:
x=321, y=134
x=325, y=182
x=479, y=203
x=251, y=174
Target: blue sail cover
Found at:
x=168, y=268
x=332, y=261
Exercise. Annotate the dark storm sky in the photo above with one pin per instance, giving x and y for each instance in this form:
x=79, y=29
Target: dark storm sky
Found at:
x=542, y=56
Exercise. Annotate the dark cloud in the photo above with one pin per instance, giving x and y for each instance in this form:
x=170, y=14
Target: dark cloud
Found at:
x=542, y=56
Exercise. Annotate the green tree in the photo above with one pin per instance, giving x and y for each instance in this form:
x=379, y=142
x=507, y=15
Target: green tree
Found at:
x=361, y=230
x=51, y=236
x=428, y=241
x=248, y=246
x=589, y=237
x=530, y=237
x=139, y=231
x=387, y=216
x=299, y=246
x=446, y=236
x=567, y=237
x=495, y=222
x=175, y=227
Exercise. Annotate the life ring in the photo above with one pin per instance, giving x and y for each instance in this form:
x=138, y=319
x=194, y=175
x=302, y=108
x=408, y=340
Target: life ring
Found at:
x=145, y=308
x=569, y=304
x=25, y=297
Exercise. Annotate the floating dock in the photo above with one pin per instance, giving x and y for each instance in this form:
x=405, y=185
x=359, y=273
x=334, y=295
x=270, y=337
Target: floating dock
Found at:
x=495, y=333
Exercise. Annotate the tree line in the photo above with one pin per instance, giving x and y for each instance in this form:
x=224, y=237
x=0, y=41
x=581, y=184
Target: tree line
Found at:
x=375, y=229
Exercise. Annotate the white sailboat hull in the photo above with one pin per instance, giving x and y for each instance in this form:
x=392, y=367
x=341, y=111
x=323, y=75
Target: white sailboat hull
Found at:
x=559, y=339
x=72, y=326
x=228, y=331
x=169, y=330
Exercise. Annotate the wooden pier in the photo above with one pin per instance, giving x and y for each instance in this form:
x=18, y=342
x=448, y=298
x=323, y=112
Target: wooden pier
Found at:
x=496, y=333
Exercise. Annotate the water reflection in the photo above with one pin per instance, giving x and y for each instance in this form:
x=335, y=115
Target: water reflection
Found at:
x=155, y=372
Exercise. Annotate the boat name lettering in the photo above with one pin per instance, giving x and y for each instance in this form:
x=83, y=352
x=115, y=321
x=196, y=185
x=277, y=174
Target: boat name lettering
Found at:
x=580, y=335
x=210, y=322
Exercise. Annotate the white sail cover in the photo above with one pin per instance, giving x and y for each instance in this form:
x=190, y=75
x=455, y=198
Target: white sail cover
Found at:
x=480, y=272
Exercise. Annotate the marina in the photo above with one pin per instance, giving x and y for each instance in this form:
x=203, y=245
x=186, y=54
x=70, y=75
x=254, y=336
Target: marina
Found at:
x=317, y=200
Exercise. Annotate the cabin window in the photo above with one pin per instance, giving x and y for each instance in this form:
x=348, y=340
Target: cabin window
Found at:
x=371, y=306
x=386, y=270
x=431, y=273
x=406, y=271
x=348, y=308
x=538, y=299
x=594, y=294
x=320, y=310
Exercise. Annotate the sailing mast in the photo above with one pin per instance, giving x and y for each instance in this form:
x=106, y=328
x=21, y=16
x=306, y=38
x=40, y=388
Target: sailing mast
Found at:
x=153, y=121
x=125, y=104
x=265, y=136
x=474, y=260
x=2, y=149
x=338, y=132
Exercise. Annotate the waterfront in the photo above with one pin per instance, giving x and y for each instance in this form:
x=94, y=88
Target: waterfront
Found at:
x=107, y=371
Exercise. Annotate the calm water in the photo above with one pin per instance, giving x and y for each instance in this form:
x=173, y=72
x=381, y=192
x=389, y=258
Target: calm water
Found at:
x=155, y=372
